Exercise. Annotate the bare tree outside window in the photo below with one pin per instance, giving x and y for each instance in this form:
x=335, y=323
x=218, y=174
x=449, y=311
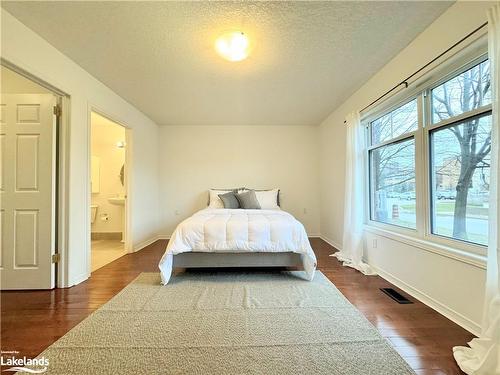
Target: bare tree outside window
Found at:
x=393, y=171
x=393, y=167
x=461, y=152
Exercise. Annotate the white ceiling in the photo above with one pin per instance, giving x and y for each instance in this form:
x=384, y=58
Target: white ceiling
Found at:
x=308, y=56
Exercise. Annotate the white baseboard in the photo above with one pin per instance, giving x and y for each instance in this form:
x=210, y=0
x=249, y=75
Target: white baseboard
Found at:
x=444, y=310
x=330, y=242
x=77, y=280
x=148, y=242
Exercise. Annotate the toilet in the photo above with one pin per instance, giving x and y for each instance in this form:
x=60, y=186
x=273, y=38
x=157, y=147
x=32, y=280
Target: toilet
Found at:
x=93, y=213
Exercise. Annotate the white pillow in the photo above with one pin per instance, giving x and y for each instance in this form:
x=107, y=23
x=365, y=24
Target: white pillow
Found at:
x=268, y=199
x=214, y=200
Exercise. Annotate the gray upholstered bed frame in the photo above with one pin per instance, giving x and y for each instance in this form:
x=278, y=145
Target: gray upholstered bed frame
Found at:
x=227, y=259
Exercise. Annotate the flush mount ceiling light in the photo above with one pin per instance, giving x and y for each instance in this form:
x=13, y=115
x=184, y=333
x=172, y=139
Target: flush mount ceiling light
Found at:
x=233, y=46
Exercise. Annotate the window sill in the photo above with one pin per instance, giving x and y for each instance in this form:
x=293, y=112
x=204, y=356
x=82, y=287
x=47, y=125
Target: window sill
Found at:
x=446, y=251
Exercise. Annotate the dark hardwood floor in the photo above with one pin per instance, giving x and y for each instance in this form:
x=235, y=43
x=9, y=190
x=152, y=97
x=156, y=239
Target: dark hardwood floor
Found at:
x=32, y=320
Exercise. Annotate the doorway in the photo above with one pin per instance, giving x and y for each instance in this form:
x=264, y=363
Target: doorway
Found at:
x=108, y=186
x=29, y=117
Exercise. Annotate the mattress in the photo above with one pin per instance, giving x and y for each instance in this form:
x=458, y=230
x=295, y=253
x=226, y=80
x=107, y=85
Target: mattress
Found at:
x=228, y=230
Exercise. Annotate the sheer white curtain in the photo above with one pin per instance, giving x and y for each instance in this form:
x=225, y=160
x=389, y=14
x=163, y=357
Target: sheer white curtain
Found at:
x=353, y=243
x=482, y=356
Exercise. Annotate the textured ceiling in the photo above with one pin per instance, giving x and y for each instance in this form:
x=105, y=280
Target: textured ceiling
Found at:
x=308, y=56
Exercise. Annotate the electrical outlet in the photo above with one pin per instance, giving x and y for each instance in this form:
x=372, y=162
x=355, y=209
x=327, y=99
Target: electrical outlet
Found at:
x=374, y=244
x=305, y=211
x=176, y=212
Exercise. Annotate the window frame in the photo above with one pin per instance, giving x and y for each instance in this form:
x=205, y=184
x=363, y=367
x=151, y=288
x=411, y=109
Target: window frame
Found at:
x=485, y=111
x=370, y=148
x=423, y=170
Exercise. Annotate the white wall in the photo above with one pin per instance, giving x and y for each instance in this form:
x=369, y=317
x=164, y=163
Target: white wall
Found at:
x=105, y=135
x=452, y=287
x=196, y=158
x=24, y=48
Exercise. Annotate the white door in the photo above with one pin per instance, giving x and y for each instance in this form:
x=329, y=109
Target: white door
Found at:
x=27, y=133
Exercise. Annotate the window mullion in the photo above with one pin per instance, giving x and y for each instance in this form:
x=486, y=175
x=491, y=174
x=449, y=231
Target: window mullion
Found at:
x=426, y=161
x=420, y=170
x=401, y=138
x=459, y=118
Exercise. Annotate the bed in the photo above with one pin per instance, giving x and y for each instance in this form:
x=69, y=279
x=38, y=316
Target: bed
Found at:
x=219, y=237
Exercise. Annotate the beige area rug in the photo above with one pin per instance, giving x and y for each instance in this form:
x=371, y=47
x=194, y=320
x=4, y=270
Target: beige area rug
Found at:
x=226, y=323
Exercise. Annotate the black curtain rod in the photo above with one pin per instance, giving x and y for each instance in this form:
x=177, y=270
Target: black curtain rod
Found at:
x=405, y=81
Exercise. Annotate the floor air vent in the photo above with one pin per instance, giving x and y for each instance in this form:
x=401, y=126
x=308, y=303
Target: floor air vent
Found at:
x=398, y=297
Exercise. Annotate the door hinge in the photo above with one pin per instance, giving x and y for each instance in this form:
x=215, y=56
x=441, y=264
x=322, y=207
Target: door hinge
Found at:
x=56, y=258
x=57, y=110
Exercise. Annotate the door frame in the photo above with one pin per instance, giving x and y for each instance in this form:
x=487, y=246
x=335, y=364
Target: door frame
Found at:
x=127, y=181
x=61, y=220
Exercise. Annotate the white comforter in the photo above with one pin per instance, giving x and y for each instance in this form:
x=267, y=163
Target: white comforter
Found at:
x=219, y=230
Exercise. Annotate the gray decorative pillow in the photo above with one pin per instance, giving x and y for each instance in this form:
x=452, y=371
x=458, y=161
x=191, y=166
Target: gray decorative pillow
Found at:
x=248, y=200
x=229, y=200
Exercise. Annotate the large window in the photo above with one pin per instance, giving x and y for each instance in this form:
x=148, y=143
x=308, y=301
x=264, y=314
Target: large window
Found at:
x=452, y=167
